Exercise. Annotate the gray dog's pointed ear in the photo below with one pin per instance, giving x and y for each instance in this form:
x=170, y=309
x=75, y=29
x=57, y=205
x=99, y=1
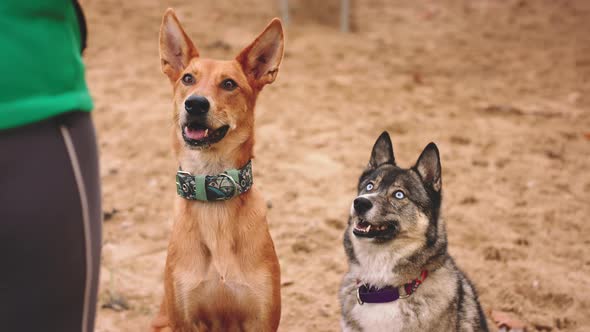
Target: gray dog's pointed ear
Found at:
x=176, y=48
x=429, y=168
x=261, y=59
x=382, y=152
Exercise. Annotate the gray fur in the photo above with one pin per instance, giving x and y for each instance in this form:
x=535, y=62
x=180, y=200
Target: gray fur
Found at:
x=415, y=240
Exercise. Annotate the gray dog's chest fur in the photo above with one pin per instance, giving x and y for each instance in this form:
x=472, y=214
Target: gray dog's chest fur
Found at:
x=445, y=301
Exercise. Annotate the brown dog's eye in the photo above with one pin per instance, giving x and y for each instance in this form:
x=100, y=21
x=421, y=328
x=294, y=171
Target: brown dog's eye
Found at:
x=188, y=79
x=229, y=84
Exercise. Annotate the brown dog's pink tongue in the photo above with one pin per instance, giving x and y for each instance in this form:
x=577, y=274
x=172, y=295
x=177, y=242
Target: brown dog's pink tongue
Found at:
x=195, y=134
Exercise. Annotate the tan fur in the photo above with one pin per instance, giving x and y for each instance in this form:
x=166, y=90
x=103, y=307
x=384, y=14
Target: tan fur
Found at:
x=222, y=272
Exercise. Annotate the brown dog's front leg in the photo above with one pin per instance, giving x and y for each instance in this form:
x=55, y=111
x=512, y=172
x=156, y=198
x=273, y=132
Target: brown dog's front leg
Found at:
x=161, y=322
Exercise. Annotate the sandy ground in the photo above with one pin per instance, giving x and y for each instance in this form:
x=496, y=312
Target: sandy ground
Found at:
x=503, y=88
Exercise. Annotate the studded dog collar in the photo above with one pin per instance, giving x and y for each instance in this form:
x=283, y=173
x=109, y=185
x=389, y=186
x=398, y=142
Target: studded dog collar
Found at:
x=371, y=294
x=220, y=187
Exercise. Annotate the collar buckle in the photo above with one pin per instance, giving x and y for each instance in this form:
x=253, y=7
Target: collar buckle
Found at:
x=358, y=296
x=235, y=185
x=403, y=294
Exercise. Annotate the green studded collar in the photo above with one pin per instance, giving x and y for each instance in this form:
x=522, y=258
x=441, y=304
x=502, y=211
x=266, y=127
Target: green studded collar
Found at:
x=220, y=187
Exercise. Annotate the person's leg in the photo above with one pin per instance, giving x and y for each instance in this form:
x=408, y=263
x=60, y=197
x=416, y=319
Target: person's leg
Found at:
x=50, y=225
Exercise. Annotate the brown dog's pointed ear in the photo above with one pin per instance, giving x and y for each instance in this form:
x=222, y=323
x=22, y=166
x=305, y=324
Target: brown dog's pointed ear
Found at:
x=176, y=48
x=261, y=59
x=429, y=168
x=382, y=152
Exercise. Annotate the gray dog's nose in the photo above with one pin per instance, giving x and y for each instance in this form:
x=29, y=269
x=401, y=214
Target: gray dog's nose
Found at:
x=196, y=105
x=362, y=205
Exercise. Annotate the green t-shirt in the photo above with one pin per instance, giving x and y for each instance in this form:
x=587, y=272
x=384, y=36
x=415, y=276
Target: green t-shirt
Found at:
x=40, y=62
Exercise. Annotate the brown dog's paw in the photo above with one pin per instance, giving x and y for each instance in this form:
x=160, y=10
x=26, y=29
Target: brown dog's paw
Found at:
x=160, y=324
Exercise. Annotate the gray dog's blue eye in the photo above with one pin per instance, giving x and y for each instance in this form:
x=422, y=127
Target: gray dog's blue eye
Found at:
x=370, y=187
x=399, y=194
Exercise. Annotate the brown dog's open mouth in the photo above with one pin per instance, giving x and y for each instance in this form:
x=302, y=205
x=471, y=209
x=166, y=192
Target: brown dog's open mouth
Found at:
x=197, y=134
x=365, y=229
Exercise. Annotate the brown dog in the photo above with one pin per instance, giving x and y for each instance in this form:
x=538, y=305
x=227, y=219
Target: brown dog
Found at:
x=222, y=272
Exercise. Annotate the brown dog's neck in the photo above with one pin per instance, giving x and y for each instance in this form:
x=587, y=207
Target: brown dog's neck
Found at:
x=216, y=160
x=211, y=162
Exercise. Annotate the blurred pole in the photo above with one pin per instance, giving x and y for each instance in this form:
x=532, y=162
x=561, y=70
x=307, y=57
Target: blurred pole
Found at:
x=285, y=11
x=344, y=15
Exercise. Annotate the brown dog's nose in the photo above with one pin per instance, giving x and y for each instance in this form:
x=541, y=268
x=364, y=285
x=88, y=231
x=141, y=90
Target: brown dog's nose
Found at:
x=362, y=205
x=196, y=105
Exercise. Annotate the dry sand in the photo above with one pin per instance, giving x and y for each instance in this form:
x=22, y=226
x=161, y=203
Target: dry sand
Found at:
x=501, y=86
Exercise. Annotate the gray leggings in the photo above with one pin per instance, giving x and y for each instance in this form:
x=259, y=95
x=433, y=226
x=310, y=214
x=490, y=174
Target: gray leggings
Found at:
x=50, y=225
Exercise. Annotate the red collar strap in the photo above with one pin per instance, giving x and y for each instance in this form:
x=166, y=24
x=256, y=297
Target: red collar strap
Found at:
x=371, y=294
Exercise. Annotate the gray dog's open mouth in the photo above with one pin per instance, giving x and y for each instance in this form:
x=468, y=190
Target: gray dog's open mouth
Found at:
x=197, y=134
x=383, y=231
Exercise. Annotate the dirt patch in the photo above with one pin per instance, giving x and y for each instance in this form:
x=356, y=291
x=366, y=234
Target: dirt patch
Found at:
x=502, y=87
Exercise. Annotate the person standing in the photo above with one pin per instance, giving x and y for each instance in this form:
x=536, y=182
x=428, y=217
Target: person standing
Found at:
x=50, y=208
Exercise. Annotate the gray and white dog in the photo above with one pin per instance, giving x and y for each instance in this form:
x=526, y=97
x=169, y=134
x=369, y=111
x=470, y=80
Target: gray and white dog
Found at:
x=401, y=277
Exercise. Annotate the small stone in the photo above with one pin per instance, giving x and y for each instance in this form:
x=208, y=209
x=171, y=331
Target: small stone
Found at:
x=460, y=140
x=108, y=215
x=492, y=254
x=287, y=283
x=469, y=200
x=126, y=224
x=480, y=163
x=299, y=246
x=553, y=155
x=116, y=302
x=507, y=321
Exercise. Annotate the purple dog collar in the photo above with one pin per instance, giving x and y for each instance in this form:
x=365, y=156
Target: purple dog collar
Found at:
x=370, y=294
